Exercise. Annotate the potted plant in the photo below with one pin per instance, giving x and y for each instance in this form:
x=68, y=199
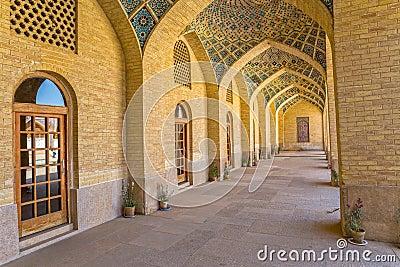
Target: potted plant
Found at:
x=353, y=221
x=334, y=178
x=214, y=173
x=244, y=163
x=128, y=197
x=226, y=172
x=254, y=159
x=164, y=197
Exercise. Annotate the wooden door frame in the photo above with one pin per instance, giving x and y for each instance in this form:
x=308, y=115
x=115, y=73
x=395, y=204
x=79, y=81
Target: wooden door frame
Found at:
x=184, y=122
x=24, y=109
x=70, y=112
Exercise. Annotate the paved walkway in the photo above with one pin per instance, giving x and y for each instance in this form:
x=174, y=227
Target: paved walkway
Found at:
x=288, y=211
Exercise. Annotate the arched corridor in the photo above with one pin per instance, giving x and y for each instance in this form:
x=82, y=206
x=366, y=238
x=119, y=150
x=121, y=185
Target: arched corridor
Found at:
x=110, y=106
x=289, y=211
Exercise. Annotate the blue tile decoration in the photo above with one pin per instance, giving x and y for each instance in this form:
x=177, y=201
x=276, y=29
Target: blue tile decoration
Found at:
x=159, y=7
x=294, y=101
x=138, y=11
x=219, y=70
x=272, y=60
x=130, y=5
x=143, y=23
x=230, y=28
x=245, y=24
x=306, y=95
x=328, y=4
x=290, y=104
x=288, y=79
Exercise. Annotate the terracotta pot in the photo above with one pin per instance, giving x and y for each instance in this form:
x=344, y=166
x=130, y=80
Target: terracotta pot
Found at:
x=213, y=179
x=358, y=237
x=163, y=205
x=129, y=211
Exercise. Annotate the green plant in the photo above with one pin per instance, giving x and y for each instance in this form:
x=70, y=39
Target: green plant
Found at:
x=244, y=163
x=226, y=171
x=128, y=194
x=335, y=177
x=164, y=193
x=214, y=171
x=354, y=216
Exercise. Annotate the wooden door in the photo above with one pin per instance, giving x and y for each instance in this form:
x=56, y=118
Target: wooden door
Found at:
x=181, y=150
x=41, y=189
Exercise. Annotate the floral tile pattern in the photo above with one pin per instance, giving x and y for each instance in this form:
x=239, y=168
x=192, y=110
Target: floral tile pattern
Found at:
x=143, y=23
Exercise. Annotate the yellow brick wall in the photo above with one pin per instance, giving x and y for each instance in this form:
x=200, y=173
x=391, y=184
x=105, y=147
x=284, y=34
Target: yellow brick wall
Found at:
x=160, y=98
x=303, y=109
x=281, y=127
x=96, y=74
x=161, y=122
x=331, y=105
x=367, y=55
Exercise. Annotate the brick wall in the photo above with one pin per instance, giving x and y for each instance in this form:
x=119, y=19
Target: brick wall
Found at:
x=367, y=63
x=367, y=57
x=303, y=109
x=96, y=74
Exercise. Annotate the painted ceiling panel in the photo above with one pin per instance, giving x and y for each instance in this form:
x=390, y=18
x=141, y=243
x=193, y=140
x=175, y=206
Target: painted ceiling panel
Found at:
x=287, y=79
x=229, y=29
x=312, y=98
x=273, y=60
x=294, y=101
x=160, y=8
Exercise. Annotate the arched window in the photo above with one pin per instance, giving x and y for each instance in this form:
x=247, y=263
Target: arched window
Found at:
x=40, y=91
x=180, y=112
x=181, y=143
x=40, y=128
x=182, y=64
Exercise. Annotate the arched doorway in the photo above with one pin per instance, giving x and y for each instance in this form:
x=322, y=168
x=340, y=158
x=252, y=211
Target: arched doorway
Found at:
x=40, y=114
x=181, y=143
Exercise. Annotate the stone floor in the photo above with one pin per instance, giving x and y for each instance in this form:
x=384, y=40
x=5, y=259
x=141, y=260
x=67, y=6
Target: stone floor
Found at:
x=289, y=211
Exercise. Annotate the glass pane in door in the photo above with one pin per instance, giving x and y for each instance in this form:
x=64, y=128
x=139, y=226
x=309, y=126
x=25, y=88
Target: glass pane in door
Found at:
x=42, y=192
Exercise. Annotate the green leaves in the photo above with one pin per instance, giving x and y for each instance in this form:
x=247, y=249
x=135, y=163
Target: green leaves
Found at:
x=128, y=194
x=354, y=216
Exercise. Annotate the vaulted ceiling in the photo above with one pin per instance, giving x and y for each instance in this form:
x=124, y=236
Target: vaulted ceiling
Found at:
x=228, y=29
